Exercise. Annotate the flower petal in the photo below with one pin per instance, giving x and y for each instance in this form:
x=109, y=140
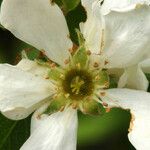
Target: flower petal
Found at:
x=88, y=5
x=55, y=132
x=138, y=102
x=109, y=4
x=33, y=67
x=127, y=35
x=92, y=29
x=39, y=23
x=21, y=92
x=133, y=78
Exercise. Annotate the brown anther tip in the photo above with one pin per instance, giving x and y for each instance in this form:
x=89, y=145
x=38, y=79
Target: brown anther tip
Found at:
x=47, y=78
x=106, y=62
x=88, y=52
x=71, y=50
x=105, y=104
x=66, y=61
x=95, y=64
x=52, y=65
x=52, y=2
x=38, y=117
x=43, y=51
x=108, y=110
x=102, y=93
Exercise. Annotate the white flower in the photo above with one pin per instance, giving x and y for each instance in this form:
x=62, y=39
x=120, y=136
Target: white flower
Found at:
x=117, y=40
x=118, y=44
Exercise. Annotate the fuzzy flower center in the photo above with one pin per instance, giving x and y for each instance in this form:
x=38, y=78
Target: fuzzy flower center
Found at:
x=78, y=83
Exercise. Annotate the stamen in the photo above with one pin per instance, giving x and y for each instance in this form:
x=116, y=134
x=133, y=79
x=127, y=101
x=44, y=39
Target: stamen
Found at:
x=66, y=61
x=106, y=62
x=95, y=65
x=88, y=52
x=76, y=84
x=78, y=65
x=62, y=76
x=102, y=93
x=52, y=65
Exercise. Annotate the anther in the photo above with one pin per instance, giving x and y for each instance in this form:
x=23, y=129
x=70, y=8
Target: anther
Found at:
x=78, y=65
x=106, y=62
x=105, y=104
x=38, y=117
x=108, y=110
x=47, y=78
x=95, y=65
x=66, y=61
x=62, y=77
x=88, y=52
x=97, y=77
x=52, y=65
x=71, y=50
x=102, y=93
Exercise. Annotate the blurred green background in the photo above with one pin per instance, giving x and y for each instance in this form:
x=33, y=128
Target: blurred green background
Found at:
x=107, y=132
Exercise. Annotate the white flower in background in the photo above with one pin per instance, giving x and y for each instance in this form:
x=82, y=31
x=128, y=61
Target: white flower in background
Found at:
x=77, y=80
x=120, y=38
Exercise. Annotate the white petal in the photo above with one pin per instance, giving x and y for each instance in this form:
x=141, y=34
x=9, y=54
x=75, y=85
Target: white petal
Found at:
x=55, y=132
x=133, y=78
x=111, y=4
x=88, y=5
x=127, y=36
x=92, y=29
x=38, y=23
x=21, y=92
x=138, y=102
x=33, y=67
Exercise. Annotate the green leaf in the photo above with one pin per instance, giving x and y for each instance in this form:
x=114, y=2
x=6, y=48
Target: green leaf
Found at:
x=98, y=128
x=70, y=4
x=13, y=133
x=73, y=18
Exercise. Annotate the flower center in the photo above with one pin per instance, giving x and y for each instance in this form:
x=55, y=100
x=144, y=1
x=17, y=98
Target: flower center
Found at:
x=78, y=84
